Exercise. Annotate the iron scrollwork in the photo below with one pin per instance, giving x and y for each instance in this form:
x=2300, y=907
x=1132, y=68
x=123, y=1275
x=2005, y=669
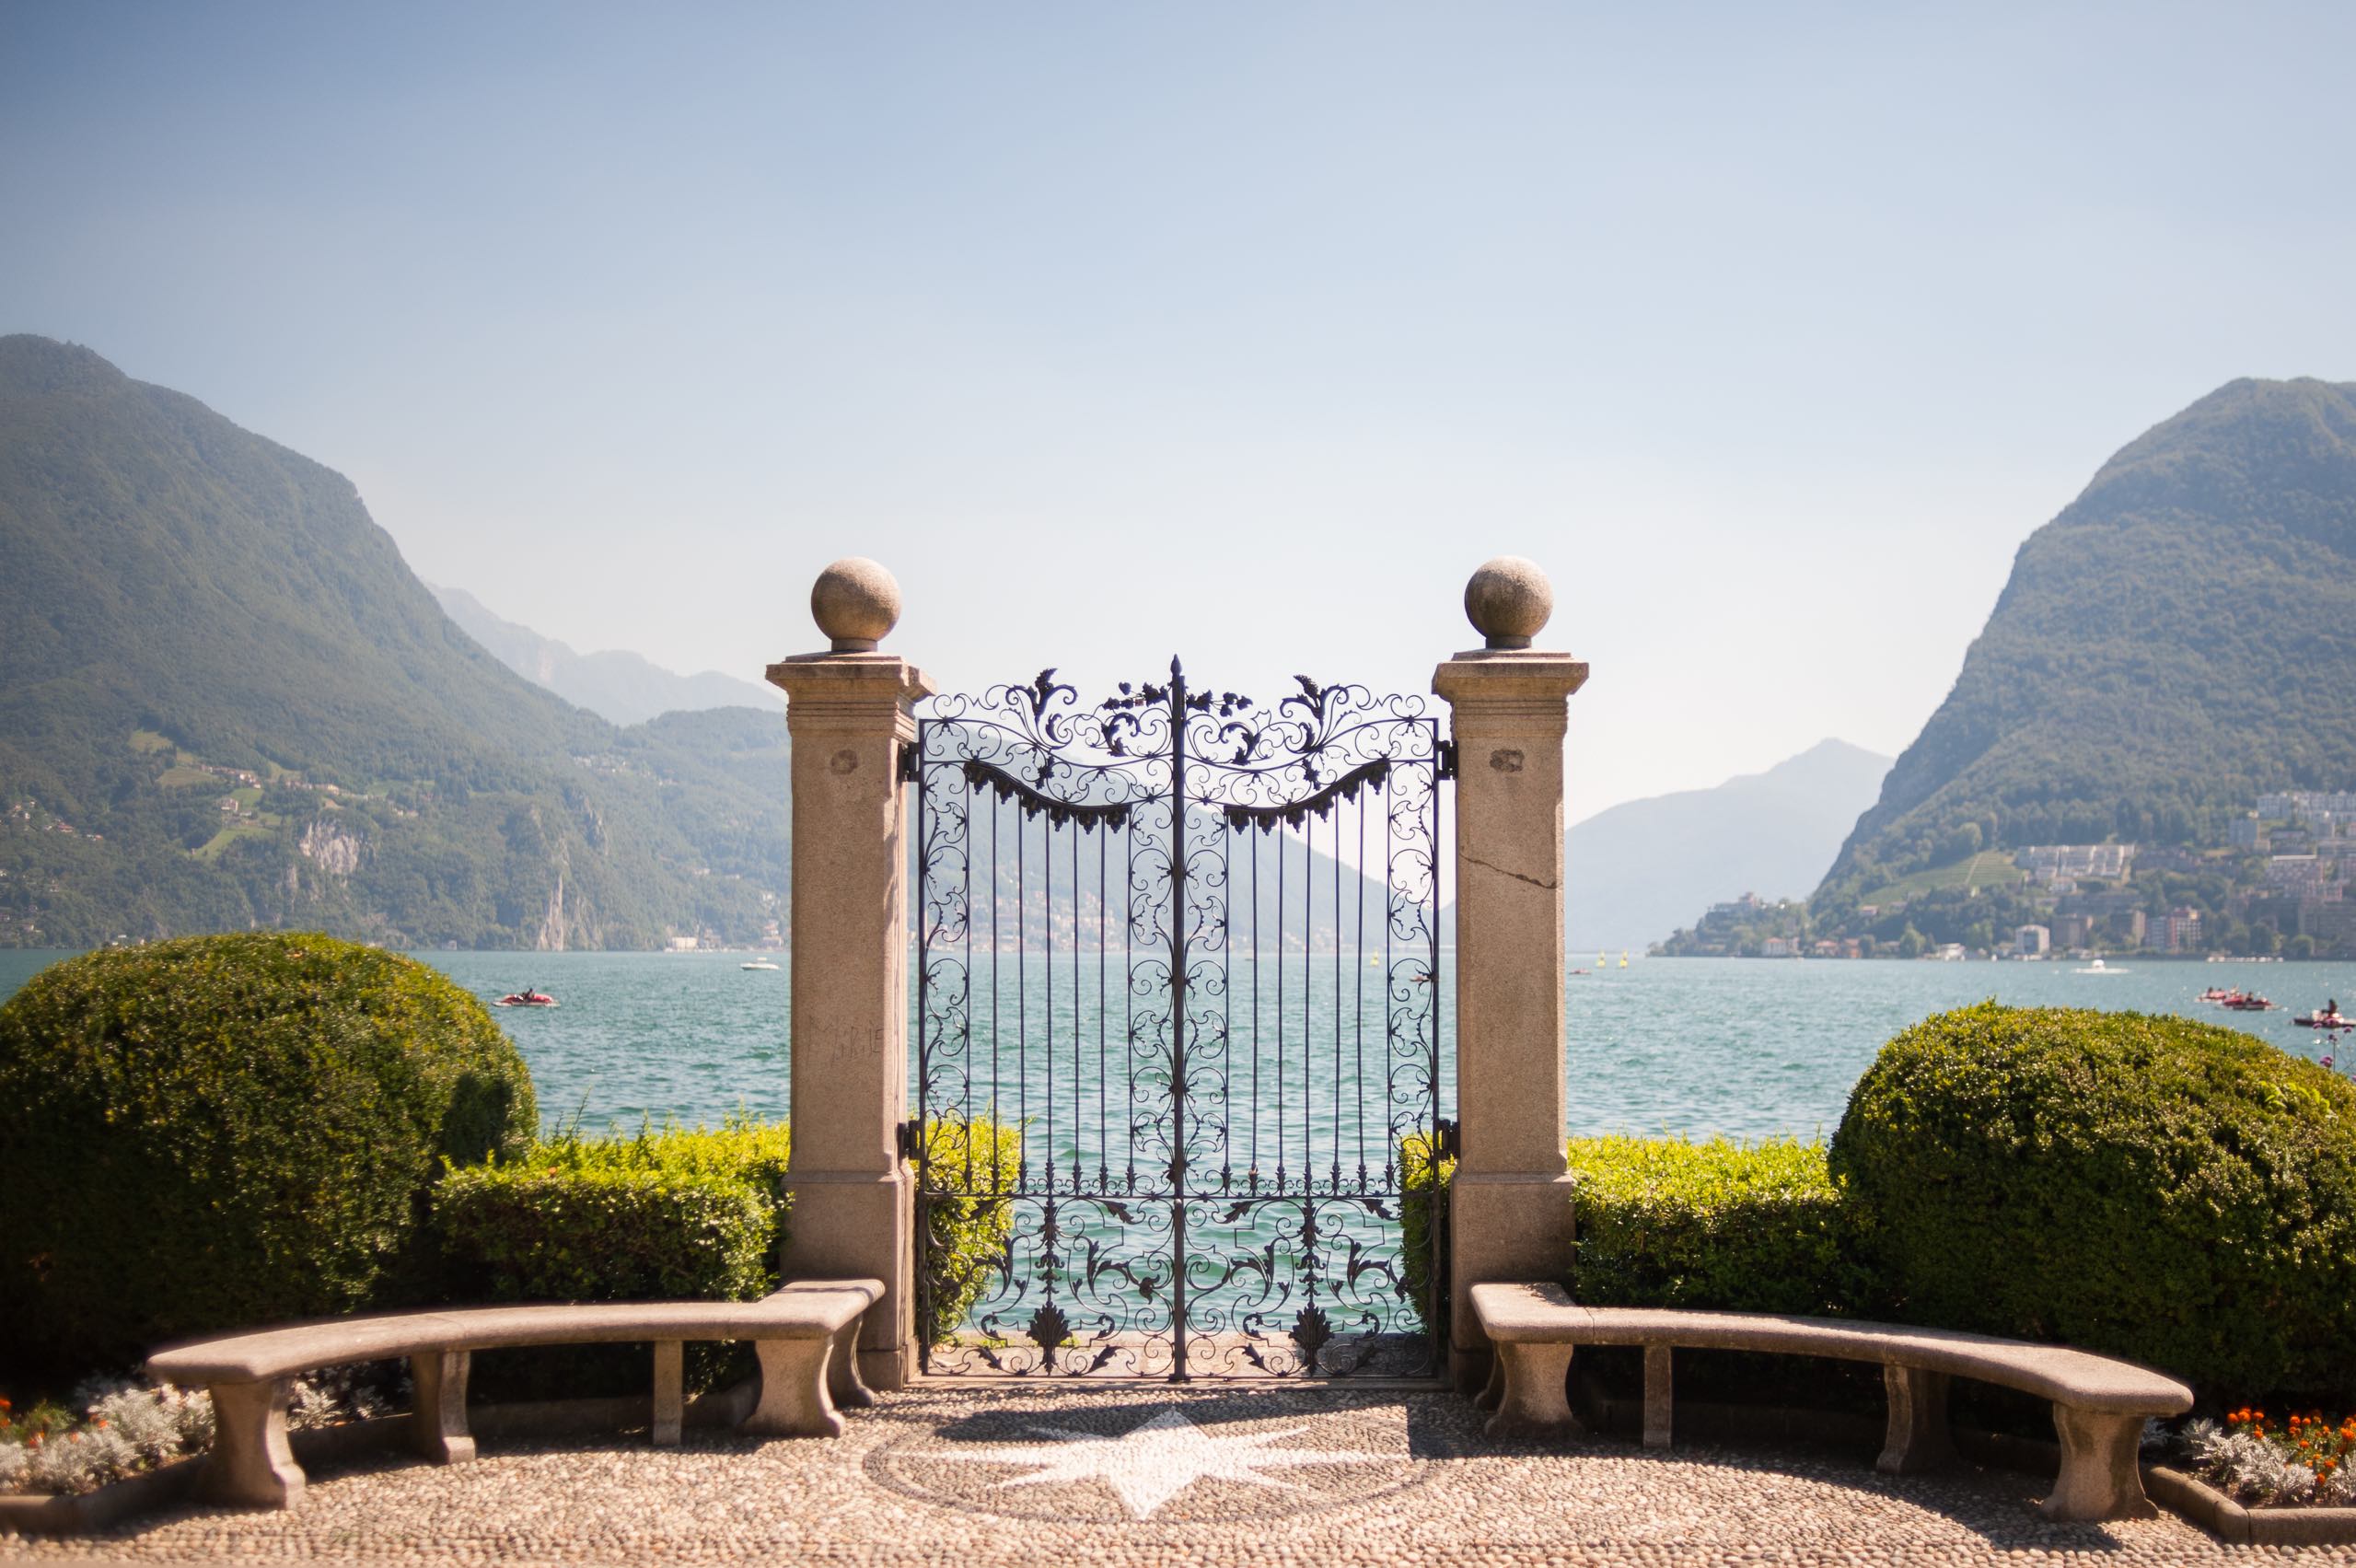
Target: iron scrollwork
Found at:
x=1146, y=931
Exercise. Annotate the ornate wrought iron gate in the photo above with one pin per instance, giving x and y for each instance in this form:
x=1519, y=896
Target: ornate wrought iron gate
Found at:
x=1179, y=1002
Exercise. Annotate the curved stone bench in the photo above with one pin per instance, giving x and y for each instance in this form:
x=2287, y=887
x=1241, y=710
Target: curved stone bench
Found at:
x=2099, y=1403
x=803, y=1335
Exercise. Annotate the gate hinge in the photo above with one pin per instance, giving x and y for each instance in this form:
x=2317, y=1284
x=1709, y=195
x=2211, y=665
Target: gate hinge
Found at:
x=1446, y=752
x=1447, y=1138
x=911, y=1140
x=909, y=769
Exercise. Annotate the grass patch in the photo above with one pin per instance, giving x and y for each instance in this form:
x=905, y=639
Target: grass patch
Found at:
x=1989, y=868
x=181, y=776
x=211, y=849
x=146, y=742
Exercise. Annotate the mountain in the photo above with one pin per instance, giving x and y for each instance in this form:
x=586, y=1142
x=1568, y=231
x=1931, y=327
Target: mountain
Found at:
x=1636, y=872
x=228, y=703
x=2179, y=639
x=622, y=687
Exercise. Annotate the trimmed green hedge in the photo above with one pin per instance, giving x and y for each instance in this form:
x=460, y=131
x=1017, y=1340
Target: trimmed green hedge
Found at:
x=1424, y=1178
x=675, y=1213
x=1667, y=1223
x=224, y=1131
x=968, y=1231
x=2158, y=1189
x=1740, y=1227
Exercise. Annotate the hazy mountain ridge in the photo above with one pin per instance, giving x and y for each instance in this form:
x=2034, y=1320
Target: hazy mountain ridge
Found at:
x=624, y=687
x=2179, y=638
x=1641, y=869
x=228, y=702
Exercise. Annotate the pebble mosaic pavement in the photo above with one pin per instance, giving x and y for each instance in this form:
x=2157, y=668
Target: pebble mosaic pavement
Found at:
x=1130, y=1478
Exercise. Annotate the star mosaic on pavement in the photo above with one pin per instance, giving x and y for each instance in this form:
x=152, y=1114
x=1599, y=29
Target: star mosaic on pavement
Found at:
x=1158, y=1461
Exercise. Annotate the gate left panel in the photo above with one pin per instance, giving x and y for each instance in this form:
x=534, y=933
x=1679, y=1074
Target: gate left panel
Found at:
x=1038, y=874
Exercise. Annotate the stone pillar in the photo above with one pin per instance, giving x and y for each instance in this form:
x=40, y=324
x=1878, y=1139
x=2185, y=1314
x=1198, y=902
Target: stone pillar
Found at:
x=849, y=711
x=1509, y=1216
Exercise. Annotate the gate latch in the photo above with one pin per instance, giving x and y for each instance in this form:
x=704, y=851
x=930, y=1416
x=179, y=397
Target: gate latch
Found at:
x=1447, y=1138
x=912, y=1141
x=1444, y=753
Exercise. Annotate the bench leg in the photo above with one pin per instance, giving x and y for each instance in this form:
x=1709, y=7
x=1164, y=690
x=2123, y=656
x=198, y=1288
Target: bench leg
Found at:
x=1660, y=1394
x=1531, y=1400
x=671, y=1393
x=250, y=1465
x=1917, y=1439
x=843, y=1382
x=1492, y=1392
x=437, y=1419
x=794, y=1402
x=2101, y=1478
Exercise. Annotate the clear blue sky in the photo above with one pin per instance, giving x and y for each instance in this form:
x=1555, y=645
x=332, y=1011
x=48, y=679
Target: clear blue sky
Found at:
x=1122, y=330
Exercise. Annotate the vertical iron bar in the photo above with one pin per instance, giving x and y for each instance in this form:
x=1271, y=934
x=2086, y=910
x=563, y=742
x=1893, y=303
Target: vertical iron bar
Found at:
x=923, y=1065
x=965, y=898
x=1022, y=1012
x=1252, y=1180
x=1390, y=1001
x=1226, y=1011
x=1047, y=1012
x=1129, y=999
x=997, y=1144
x=1177, y=1021
x=1358, y=1011
x=1308, y=1047
x=1336, y=1133
x=1283, y=1128
x=1104, y=1002
x=1438, y=1213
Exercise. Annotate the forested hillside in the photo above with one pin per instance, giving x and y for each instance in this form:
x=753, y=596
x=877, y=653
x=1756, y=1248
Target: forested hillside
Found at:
x=228, y=702
x=2181, y=638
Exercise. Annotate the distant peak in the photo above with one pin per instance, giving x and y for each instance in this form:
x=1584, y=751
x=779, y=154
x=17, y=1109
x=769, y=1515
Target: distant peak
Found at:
x=1831, y=754
x=1833, y=746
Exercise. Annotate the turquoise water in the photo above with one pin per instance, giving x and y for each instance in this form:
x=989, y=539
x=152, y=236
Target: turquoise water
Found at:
x=1698, y=1045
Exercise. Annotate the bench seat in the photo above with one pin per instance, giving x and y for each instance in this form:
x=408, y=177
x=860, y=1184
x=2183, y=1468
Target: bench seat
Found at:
x=2099, y=1403
x=805, y=1335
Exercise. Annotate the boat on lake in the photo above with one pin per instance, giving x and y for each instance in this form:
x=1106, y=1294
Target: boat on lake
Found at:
x=2098, y=966
x=758, y=964
x=526, y=999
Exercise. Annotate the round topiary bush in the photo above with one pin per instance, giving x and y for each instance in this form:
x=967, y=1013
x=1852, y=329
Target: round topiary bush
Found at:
x=225, y=1130
x=2173, y=1193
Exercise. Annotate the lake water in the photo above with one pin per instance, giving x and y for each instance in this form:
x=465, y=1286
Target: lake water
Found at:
x=1746, y=1047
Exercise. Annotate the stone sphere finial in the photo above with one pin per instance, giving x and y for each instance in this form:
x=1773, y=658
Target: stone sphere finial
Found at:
x=1508, y=600
x=855, y=602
